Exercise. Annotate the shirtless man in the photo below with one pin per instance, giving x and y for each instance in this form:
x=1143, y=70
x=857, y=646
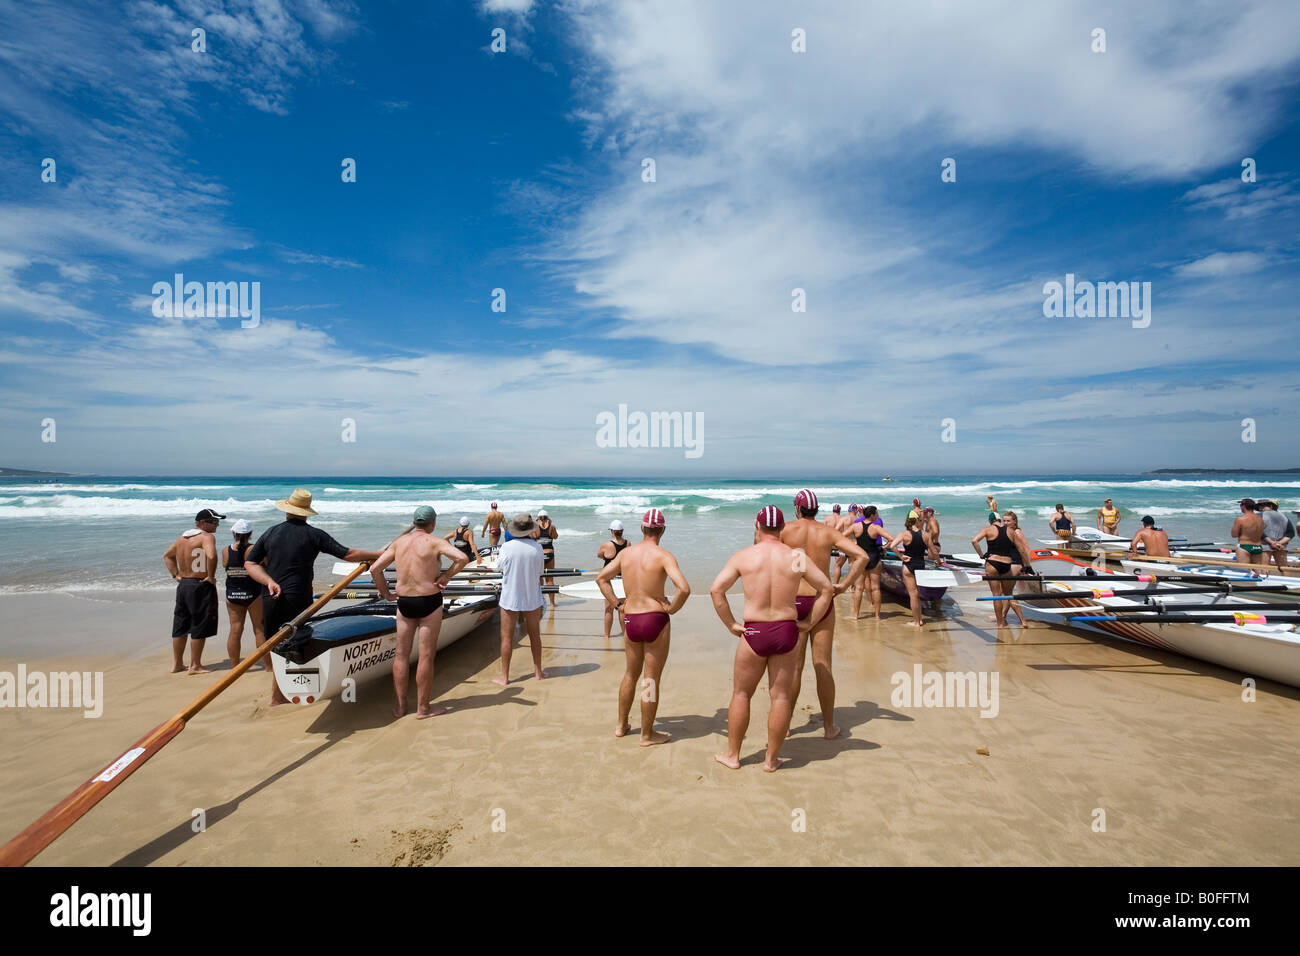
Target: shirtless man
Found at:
x=930, y=526
x=1248, y=529
x=644, y=567
x=815, y=540
x=769, y=572
x=1150, y=537
x=492, y=525
x=192, y=562
x=419, y=604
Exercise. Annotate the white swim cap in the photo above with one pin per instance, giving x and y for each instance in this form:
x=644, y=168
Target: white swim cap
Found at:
x=242, y=526
x=616, y=525
x=542, y=514
x=464, y=522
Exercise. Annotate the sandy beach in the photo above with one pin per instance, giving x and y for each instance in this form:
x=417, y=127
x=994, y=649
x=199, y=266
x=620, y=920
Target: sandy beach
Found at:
x=1185, y=770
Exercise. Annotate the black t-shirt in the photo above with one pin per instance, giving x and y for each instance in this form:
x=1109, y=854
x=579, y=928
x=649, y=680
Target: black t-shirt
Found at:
x=287, y=551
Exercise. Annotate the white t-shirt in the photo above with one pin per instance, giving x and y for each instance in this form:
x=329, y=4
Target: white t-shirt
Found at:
x=521, y=563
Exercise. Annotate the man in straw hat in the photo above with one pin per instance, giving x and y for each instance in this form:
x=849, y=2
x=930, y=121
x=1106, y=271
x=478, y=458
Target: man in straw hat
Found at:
x=644, y=568
x=281, y=560
x=521, y=563
x=420, y=582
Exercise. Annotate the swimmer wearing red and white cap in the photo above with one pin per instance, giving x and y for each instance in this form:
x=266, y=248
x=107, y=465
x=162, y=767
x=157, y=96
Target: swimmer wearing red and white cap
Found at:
x=492, y=525
x=644, y=567
x=770, y=573
x=816, y=540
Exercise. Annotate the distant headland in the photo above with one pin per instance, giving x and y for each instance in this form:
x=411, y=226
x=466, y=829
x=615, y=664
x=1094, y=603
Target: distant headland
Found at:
x=24, y=473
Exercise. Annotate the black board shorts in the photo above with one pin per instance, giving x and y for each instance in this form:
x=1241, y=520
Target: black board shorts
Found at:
x=195, y=613
x=279, y=611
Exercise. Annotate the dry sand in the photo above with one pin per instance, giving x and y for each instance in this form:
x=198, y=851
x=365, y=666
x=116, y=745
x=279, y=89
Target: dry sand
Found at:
x=1185, y=770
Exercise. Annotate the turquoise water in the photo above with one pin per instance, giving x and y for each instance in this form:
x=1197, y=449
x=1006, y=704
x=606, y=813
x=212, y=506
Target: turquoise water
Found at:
x=84, y=533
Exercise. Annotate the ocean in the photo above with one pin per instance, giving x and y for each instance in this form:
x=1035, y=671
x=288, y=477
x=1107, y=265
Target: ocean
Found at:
x=110, y=532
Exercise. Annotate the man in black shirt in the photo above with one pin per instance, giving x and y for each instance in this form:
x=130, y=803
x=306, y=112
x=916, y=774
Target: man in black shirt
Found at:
x=282, y=559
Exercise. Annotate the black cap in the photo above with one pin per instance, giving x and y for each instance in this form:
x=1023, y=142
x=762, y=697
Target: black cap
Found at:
x=207, y=514
x=1147, y=519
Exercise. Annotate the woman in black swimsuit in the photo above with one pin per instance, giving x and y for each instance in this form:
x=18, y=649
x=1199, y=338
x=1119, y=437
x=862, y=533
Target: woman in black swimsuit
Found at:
x=607, y=552
x=911, y=547
x=1008, y=554
x=462, y=539
x=871, y=538
x=547, y=534
x=243, y=594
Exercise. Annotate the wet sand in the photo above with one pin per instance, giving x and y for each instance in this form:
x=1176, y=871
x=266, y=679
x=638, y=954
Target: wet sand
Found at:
x=1186, y=772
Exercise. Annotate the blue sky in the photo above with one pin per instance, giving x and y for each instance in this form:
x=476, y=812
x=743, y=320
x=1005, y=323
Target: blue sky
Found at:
x=522, y=171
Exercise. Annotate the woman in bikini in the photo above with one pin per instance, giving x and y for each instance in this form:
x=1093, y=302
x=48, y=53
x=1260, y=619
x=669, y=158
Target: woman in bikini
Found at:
x=1008, y=554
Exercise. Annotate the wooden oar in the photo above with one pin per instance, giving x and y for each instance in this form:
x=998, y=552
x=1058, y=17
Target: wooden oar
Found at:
x=20, y=850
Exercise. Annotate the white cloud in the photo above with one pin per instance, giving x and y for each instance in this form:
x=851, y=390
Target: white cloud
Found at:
x=1219, y=264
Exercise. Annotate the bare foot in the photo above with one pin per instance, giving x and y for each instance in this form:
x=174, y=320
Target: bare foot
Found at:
x=731, y=763
x=914, y=624
x=178, y=668
x=541, y=675
x=500, y=680
x=435, y=711
x=656, y=737
x=198, y=669
x=623, y=731
x=831, y=732
x=399, y=709
x=772, y=766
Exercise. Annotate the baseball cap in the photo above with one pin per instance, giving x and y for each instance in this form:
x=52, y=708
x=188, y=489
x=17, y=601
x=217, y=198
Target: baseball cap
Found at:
x=806, y=499
x=207, y=514
x=654, y=518
x=464, y=521
x=242, y=526
x=771, y=517
x=424, y=516
x=616, y=525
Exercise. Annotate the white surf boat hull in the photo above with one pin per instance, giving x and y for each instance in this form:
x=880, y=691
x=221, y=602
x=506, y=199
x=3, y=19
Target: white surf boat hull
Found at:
x=1266, y=650
x=358, y=644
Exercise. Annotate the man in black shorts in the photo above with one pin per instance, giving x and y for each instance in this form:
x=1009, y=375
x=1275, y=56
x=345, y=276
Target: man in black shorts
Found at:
x=281, y=560
x=192, y=562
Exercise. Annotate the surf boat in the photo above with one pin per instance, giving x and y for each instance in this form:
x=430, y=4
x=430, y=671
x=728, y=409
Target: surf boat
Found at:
x=1221, y=628
x=358, y=643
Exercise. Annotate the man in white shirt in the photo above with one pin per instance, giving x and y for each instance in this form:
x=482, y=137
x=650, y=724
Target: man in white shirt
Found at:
x=521, y=563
